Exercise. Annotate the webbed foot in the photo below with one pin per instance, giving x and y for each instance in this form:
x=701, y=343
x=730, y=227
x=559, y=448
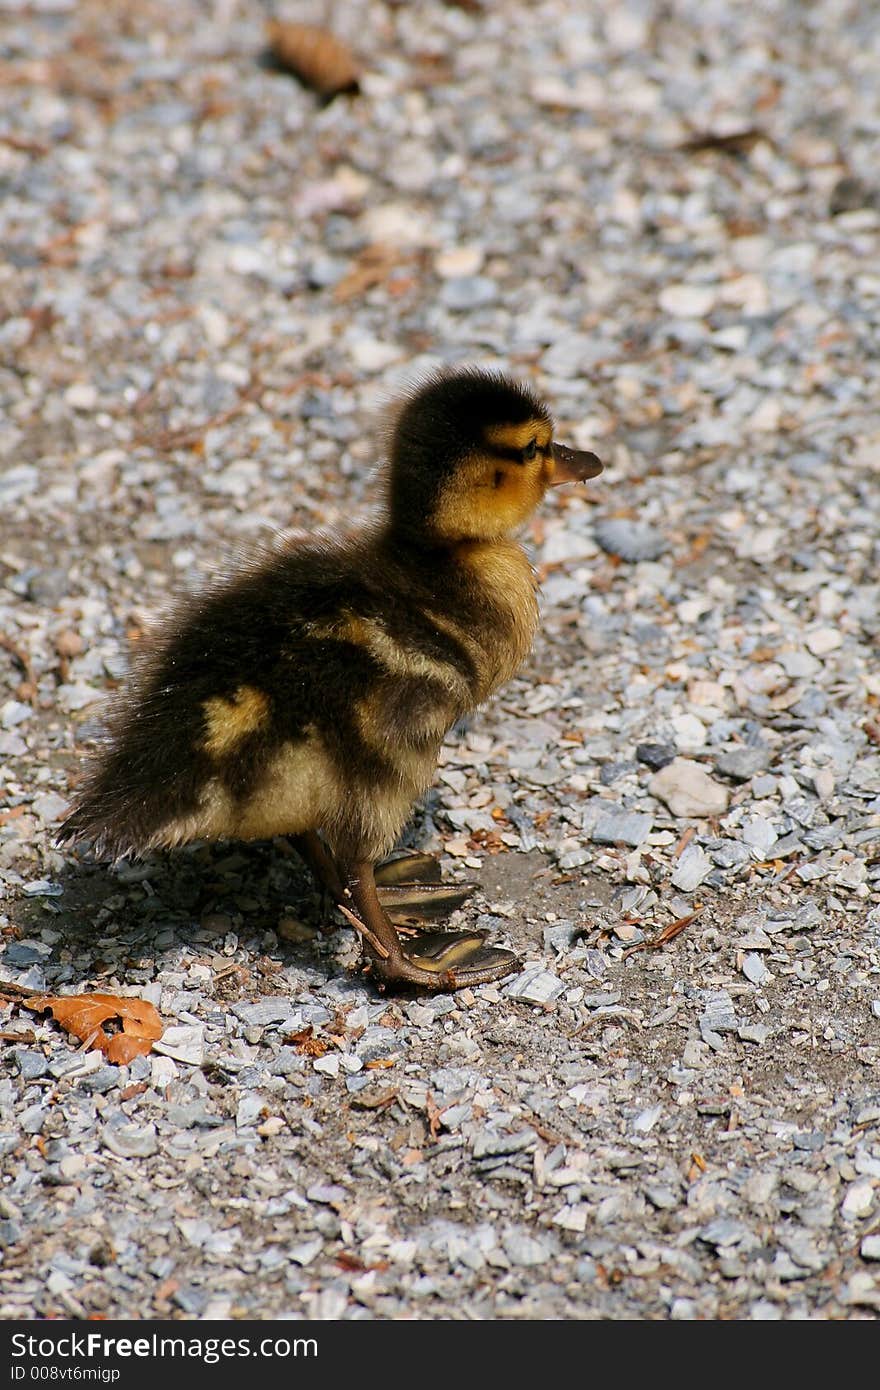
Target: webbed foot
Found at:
x=434, y=960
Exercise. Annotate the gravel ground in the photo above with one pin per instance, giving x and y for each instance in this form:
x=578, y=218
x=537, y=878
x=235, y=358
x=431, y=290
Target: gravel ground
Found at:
x=667, y=218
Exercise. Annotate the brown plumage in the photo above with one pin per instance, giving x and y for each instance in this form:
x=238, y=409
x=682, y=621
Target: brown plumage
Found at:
x=309, y=693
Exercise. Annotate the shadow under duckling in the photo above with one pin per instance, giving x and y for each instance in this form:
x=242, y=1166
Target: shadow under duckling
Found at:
x=308, y=694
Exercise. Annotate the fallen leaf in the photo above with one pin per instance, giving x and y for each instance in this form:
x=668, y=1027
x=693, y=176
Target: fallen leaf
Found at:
x=305, y=1041
x=84, y=1014
x=737, y=142
x=374, y=265
x=435, y=1115
x=377, y=1102
x=314, y=55
x=353, y=1264
x=697, y=1168
x=666, y=934
x=683, y=842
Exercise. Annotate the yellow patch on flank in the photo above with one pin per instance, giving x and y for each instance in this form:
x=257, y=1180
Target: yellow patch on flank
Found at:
x=397, y=659
x=229, y=721
x=520, y=436
x=304, y=789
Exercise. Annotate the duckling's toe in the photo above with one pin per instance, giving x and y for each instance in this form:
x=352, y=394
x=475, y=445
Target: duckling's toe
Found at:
x=412, y=901
x=406, y=869
x=448, y=960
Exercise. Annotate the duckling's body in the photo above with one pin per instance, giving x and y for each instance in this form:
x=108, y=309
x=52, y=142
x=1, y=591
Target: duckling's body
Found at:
x=310, y=693
x=251, y=719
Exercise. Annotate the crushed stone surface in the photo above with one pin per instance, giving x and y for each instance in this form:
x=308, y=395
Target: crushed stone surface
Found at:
x=211, y=284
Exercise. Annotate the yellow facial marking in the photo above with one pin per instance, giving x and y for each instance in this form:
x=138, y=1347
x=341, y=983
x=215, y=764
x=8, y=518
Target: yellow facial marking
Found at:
x=520, y=436
x=487, y=499
x=227, y=722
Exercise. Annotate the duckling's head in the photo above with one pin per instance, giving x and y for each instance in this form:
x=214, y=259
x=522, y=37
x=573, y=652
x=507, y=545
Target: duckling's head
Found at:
x=472, y=454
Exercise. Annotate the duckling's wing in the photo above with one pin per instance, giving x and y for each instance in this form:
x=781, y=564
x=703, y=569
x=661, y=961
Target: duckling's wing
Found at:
x=233, y=676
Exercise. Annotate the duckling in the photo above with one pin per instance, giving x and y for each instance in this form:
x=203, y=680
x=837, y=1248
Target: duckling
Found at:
x=308, y=694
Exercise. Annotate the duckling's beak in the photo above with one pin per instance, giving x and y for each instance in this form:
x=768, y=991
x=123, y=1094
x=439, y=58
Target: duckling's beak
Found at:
x=573, y=465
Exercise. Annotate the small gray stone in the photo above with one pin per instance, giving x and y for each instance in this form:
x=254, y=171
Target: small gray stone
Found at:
x=661, y=1197
x=465, y=292
x=742, y=763
x=305, y=1253
x=184, y=1042
x=127, y=1139
x=730, y=854
x=50, y=807
x=77, y=1065
x=870, y=1248
x=629, y=540
x=42, y=888
x=692, y=868
x=758, y=833
x=10, y=1233
x=488, y=1141
x=723, y=1233
x=535, y=986
x=754, y=968
x=622, y=827
x=328, y=1194
x=574, y=858
x=272, y=1009
x=14, y=712
x=523, y=1249
x=688, y=790
x=31, y=1064
x=559, y=936
x=250, y=1109
x=22, y=953
x=191, y=1300
x=100, y=1081
x=719, y=1015
x=656, y=755
x=859, y=1200
x=31, y=1120
x=753, y=1032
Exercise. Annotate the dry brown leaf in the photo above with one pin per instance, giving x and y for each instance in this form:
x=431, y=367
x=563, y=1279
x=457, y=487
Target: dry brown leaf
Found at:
x=665, y=935
x=375, y=1102
x=374, y=265
x=736, y=142
x=435, y=1115
x=85, y=1014
x=314, y=55
x=684, y=841
x=305, y=1041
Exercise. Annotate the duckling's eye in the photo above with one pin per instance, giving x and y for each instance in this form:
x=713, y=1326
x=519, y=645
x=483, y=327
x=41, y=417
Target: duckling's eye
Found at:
x=529, y=451
x=499, y=476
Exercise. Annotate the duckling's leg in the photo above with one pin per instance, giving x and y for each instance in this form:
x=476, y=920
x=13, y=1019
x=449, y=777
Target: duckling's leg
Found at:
x=410, y=887
x=320, y=860
x=435, y=960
